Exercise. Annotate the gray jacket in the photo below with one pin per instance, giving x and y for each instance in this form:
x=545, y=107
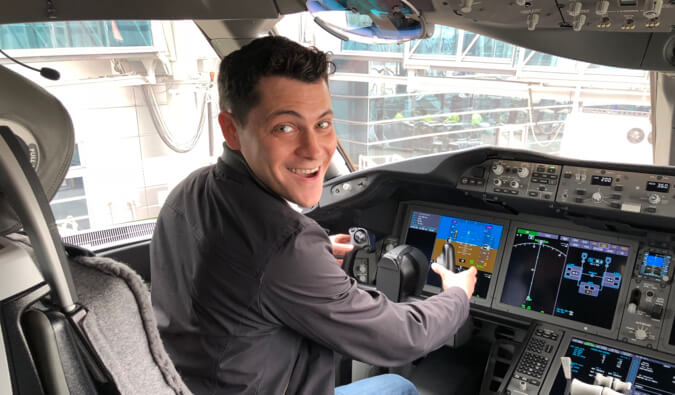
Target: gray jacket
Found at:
x=250, y=300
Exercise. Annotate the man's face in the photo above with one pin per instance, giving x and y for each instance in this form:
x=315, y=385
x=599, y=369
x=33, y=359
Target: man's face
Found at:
x=289, y=138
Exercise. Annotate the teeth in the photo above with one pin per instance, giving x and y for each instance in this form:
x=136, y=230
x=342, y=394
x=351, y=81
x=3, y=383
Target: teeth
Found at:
x=305, y=171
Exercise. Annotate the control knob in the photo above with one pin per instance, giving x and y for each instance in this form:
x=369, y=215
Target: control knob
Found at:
x=632, y=308
x=597, y=197
x=497, y=182
x=514, y=184
x=498, y=169
x=640, y=334
x=654, y=198
x=523, y=172
x=522, y=385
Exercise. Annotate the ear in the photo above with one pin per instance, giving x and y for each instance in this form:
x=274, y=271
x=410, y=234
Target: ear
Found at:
x=229, y=128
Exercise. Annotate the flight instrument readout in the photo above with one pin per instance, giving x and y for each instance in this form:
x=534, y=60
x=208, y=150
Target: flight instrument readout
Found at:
x=565, y=276
x=646, y=375
x=475, y=243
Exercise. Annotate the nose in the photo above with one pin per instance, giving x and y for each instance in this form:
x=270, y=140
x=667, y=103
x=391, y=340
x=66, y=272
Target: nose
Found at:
x=310, y=144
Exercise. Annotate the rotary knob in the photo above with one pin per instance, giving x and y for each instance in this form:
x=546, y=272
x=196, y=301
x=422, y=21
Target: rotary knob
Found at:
x=640, y=334
x=522, y=385
x=597, y=197
x=514, y=184
x=654, y=198
x=498, y=169
x=497, y=182
x=523, y=172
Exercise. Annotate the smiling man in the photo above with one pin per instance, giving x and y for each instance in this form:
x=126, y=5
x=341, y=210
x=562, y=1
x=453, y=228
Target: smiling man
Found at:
x=248, y=295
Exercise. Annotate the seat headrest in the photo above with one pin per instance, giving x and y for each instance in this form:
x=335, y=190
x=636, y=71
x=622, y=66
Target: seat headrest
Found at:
x=43, y=124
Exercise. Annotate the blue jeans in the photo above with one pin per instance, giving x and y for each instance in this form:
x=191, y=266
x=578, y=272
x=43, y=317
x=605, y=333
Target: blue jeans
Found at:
x=389, y=384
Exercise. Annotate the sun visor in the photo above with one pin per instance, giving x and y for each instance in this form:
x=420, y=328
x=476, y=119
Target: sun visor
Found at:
x=45, y=131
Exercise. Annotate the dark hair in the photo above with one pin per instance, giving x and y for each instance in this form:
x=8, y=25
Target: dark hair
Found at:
x=241, y=70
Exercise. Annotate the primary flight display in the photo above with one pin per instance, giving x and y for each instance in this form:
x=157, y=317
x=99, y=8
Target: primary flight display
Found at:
x=475, y=243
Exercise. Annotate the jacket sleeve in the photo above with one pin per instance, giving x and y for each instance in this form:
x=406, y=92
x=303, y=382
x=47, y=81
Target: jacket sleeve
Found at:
x=304, y=288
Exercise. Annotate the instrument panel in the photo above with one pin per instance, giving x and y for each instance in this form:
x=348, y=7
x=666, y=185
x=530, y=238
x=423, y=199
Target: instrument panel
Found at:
x=581, y=251
x=574, y=186
x=578, y=285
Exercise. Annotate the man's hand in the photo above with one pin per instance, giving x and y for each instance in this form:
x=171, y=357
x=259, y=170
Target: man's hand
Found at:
x=465, y=280
x=341, y=246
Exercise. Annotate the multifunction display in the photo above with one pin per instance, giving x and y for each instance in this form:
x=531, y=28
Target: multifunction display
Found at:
x=565, y=276
x=654, y=264
x=647, y=375
x=475, y=243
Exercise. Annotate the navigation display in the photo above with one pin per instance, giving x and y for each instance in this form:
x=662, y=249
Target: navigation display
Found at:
x=647, y=375
x=475, y=243
x=565, y=276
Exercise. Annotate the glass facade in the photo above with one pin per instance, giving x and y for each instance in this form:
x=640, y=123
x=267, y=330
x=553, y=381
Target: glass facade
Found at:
x=443, y=42
x=76, y=34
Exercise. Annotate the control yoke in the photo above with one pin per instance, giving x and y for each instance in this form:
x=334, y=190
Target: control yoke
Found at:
x=402, y=272
x=447, y=257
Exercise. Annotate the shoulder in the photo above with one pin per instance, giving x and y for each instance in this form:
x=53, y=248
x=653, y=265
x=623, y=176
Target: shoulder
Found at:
x=305, y=259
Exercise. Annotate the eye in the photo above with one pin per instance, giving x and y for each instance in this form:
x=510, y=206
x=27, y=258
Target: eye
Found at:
x=323, y=124
x=284, y=129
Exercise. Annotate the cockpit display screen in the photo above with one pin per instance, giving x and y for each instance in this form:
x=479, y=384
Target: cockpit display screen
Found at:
x=654, y=265
x=475, y=243
x=565, y=276
x=646, y=375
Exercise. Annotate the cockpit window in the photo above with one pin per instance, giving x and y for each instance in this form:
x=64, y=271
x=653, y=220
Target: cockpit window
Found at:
x=144, y=105
x=458, y=90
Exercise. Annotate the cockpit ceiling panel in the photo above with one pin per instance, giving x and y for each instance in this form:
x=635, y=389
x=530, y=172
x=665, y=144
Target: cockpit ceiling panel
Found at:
x=602, y=16
x=63, y=10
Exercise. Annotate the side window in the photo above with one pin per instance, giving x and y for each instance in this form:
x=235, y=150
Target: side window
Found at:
x=70, y=202
x=144, y=105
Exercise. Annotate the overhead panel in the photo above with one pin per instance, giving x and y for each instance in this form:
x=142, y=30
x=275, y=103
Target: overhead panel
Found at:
x=40, y=10
x=598, y=15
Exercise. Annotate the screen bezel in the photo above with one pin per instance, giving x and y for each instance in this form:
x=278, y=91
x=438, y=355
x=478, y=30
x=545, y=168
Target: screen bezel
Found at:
x=552, y=373
x=667, y=326
x=457, y=213
x=613, y=331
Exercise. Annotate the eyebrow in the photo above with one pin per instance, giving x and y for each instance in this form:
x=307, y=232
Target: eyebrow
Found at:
x=296, y=114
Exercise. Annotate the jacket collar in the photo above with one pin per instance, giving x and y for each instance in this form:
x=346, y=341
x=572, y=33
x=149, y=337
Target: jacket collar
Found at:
x=235, y=160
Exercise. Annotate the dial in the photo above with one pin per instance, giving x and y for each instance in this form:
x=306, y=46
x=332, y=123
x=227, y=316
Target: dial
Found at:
x=654, y=198
x=597, y=197
x=498, y=169
x=641, y=334
x=523, y=172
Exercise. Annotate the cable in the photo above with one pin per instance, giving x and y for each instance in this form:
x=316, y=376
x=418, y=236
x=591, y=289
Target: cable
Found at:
x=163, y=130
x=46, y=72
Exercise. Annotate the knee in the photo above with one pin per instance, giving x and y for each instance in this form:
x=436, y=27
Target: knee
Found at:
x=400, y=384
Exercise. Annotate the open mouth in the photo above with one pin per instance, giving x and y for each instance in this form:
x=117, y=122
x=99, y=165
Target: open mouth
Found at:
x=307, y=173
